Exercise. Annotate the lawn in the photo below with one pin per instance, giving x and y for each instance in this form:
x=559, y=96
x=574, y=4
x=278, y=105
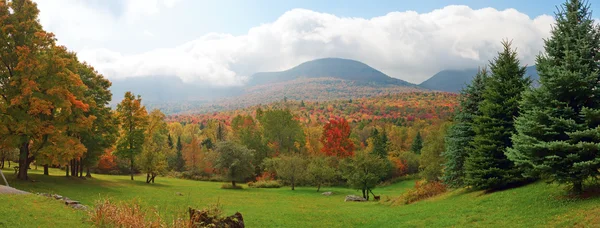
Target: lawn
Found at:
x=535, y=205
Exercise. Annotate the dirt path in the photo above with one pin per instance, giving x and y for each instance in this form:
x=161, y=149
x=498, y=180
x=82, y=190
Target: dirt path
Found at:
x=9, y=190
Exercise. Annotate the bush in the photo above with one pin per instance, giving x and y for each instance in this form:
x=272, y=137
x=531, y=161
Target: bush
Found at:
x=422, y=190
x=264, y=184
x=130, y=214
x=230, y=186
x=410, y=162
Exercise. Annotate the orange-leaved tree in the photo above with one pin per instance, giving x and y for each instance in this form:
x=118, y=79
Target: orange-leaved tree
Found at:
x=40, y=91
x=336, y=138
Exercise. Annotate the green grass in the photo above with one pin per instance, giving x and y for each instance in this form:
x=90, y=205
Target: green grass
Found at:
x=535, y=205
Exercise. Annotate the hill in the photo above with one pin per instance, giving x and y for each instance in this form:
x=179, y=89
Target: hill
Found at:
x=317, y=80
x=345, y=69
x=455, y=80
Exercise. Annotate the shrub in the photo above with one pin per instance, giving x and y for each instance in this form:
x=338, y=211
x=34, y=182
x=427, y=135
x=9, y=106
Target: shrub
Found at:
x=410, y=161
x=230, y=186
x=130, y=214
x=422, y=190
x=264, y=184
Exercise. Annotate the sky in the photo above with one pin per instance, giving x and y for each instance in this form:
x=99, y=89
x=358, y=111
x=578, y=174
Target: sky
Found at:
x=222, y=43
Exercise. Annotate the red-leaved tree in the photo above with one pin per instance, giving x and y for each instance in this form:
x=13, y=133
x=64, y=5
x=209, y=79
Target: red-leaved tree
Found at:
x=336, y=138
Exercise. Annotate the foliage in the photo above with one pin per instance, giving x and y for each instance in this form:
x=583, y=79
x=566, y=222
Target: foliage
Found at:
x=431, y=160
x=461, y=134
x=246, y=130
x=421, y=191
x=106, y=213
x=417, y=144
x=558, y=131
x=133, y=119
x=283, y=130
x=336, y=138
x=41, y=92
x=264, y=184
x=410, y=160
x=155, y=150
x=380, y=143
x=290, y=168
x=231, y=186
x=234, y=161
x=487, y=167
x=321, y=171
x=364, y=171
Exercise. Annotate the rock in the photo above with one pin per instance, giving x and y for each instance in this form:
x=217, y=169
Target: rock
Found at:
x=202, y=218
x=58, y=197
x=179, y=194
x=71, y=202
x=327, y=193
x=79, y=207
x=354, y=198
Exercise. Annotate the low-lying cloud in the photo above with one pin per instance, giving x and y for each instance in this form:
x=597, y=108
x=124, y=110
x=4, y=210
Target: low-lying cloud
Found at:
x=405, y=45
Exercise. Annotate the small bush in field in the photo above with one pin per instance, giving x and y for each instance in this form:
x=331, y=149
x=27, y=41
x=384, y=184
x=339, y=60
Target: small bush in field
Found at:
x=265, y=184
x=230, y=186
x=422, y=190
x=109, y=214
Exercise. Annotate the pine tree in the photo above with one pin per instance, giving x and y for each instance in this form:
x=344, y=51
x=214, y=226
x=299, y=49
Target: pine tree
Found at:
x=179, y=161
x=487, y=167
x=417, y=144
x=558, y=132
x=170, y=141
x=380, y=143
x=461, y=134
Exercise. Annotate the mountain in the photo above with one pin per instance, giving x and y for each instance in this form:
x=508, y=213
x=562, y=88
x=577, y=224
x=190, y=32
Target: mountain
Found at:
x=455, y=80
x=345, y=69
x=317, y=80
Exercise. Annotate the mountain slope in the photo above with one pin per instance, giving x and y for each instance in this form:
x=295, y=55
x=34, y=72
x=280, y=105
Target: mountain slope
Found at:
x=345, y=69
x=455, y=80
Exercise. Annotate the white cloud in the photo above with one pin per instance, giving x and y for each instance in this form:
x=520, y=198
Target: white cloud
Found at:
x=405, y=45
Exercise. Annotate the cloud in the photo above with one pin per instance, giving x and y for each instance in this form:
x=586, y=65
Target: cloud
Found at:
x=405, y=45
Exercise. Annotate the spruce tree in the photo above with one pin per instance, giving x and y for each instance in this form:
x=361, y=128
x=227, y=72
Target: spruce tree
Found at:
x=487, y=166
x=461, y=134
x=417, y=144
x=380, y=143
x=179, y=161
x=558, y=132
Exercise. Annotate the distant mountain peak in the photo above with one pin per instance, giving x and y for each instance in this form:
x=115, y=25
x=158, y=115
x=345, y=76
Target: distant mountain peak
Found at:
x=455, y=80
x=346, y=69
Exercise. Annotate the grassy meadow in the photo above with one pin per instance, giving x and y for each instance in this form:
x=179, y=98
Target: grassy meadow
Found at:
x=535, y=205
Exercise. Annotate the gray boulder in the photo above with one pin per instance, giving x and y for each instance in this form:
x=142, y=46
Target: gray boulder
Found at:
x=327, y=193
x=354, y=198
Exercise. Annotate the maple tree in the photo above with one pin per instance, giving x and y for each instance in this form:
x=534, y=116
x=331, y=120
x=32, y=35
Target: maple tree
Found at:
x=133, y=120
x=39, y=87
x=336, y=138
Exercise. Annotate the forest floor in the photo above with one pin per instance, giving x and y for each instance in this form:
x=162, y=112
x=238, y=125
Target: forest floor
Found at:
x=534, y=205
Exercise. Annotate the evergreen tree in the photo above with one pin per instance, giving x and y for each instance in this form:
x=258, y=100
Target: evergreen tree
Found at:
x=179, y=161
x=380, y=143
x=417, y=144
x=558, y=132
x=170, y=141
x=487, y=166
x=461, y=134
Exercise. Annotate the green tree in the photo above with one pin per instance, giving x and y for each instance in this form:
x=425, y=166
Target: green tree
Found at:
x=488, y=167
x=461, y=134
x=321, y=171
x=558, y=134
x=290, y=168
x=152, y=160
x=281, y=128
x=234, y=160
x=364, y=171
x=247, y=132
x=133, y=119
x=431, y=160
x=380, y=143
x=178, y=161
x=417, y=144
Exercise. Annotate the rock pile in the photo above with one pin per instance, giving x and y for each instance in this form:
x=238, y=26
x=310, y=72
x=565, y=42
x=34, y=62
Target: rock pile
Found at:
x=203, y=218
x=69, y=202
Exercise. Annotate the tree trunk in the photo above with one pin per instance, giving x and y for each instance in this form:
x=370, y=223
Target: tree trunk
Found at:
x=577, y=187
x=23, y=160
x=46, y=170
x=147, y=177
x=363, y=192
x=80, y=168
x=318, y=187
x=67, y=169
x=8, y=163
x=233, y=183
x=293, y=184
x=152, y=179
x=88, y=174
x=2, y=164
x=73, y=166
x=131, y=168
